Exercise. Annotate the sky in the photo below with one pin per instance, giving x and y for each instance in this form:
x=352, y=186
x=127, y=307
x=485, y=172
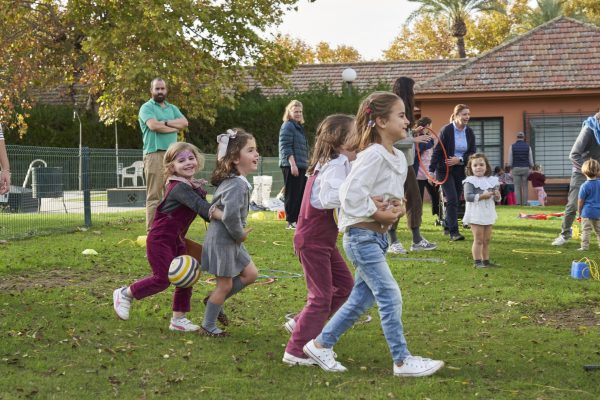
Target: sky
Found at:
x=369, y=26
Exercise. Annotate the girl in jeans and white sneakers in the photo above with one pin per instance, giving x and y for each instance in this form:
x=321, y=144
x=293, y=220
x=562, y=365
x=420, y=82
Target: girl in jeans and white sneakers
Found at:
x=184, y=198
x=380, y=171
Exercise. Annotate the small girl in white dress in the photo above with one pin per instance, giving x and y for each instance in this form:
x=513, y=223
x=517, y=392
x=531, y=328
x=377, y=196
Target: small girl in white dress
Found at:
x=481, y=191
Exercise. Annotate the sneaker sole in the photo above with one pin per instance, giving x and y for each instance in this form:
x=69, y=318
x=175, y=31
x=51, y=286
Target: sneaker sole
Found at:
x=115, y=300
x=287, y=328
x=318, y=362
x=175, y=328
x=310, y=363
x=428, y=372
x=423, y=248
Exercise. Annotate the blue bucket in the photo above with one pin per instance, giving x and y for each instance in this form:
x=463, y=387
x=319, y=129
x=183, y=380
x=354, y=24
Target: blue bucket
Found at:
x=580, y=270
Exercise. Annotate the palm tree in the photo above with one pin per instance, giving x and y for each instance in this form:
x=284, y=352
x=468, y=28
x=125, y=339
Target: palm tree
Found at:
x=545, y=11
x=456, y=12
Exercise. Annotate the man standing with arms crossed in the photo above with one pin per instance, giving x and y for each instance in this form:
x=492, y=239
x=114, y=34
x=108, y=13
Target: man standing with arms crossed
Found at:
x=159, y=121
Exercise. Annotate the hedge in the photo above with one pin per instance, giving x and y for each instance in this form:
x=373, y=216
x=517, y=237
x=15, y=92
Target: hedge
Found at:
x=53, y=126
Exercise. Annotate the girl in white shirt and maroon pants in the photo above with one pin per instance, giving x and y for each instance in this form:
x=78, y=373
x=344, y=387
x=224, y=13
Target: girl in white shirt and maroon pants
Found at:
x=328, y=278
x=371, y=200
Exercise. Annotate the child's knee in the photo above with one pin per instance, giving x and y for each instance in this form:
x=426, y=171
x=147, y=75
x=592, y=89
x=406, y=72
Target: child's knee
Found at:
x=224, y=285
x=250, y=274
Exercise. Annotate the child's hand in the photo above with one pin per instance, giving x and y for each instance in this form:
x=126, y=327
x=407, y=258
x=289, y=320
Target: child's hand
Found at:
x=422, y=138
x=399, y=206
x=386, y=217
x=485, y=196
x=246, y=233
x=379, y=202
x=216, y=214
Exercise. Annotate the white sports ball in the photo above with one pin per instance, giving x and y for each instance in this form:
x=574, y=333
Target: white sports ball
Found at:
x=184, y=271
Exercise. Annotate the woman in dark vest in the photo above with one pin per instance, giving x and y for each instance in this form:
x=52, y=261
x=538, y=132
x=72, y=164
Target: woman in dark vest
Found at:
x=459, y=141
x=520, y=160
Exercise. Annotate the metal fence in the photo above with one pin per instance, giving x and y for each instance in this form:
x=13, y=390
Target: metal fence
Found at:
x=60, y=189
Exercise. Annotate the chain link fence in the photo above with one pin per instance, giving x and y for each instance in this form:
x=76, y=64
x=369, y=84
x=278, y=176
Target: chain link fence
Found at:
x=60, y=189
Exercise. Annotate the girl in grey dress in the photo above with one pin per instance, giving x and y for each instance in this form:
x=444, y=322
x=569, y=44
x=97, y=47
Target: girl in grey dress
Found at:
x=224, y=254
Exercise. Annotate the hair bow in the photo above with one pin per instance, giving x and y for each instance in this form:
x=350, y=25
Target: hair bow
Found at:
x=223, y=140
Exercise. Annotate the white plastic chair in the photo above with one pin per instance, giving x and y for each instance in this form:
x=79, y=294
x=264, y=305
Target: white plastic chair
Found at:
x=137, y=169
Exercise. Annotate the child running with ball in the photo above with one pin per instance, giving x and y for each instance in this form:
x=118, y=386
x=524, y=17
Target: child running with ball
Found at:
x=184, y=198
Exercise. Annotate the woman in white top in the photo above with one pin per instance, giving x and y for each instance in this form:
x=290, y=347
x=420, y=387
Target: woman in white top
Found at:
x=371, y=200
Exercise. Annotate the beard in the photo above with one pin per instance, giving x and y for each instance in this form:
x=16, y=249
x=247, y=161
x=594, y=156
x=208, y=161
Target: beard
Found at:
x=159, y=98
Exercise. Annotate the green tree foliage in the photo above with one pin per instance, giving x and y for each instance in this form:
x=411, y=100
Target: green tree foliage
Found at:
x=114, y=48
x=546, y=10
x=456, y=13
x=322, y=53
x=325, y=54
x=425, y=38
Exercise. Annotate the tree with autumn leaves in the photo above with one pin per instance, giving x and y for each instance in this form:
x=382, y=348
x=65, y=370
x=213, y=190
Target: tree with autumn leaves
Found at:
x=114, y=48
x=434, y=33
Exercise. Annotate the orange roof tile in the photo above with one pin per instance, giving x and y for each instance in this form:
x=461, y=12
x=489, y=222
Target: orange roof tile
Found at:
x=368, y=74
x=561, y=54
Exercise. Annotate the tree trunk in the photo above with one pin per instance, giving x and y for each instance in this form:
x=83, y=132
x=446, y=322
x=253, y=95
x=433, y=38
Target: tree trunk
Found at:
x=459, y=30
x=460, y=46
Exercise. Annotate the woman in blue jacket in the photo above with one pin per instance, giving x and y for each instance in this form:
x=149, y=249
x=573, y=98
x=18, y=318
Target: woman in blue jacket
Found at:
x=293, y=160
x=459, y=142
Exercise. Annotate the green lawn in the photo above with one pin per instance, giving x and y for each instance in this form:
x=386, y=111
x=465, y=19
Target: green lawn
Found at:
x=522, y=331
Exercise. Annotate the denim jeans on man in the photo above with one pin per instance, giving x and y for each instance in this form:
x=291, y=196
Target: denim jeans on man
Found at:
x=374, y=282
x=577, y=179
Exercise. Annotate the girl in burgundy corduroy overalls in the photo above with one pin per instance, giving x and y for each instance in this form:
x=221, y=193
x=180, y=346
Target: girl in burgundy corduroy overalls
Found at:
x=328, y=278
x=184, y=199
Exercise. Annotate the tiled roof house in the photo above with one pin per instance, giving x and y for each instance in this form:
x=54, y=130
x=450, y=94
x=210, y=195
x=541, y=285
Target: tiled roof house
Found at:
x=544, y=82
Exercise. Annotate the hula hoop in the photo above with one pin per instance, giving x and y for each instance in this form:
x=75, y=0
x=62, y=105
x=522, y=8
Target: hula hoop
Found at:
x=435, y=260
x=431, y=178
x=526, y=251
x=286, y=274
x=267, y=280
x=278, y=243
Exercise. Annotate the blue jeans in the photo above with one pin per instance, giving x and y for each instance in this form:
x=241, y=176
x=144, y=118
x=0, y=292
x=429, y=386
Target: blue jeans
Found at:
x=577, y=179
x=373, y=282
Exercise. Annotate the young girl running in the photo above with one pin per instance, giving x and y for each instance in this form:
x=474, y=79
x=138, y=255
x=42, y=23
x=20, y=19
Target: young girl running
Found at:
x=379, y=170
x=223, y=254
x=184, y=198
x=482, y=191
x=328, y=279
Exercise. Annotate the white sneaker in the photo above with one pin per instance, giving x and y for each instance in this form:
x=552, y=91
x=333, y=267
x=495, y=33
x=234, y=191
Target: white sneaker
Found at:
x=121, y=303
x=324, y=357
x=293, y=360
x=424, y=244
x=415, y=366
x=289, y=325
x=583, y=249
x=183, y=325
x=559, y=241
x=396, y=248
x=291, y=225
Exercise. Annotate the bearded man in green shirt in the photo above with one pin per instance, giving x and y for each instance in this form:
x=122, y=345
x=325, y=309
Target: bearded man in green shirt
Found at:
x=159, y=121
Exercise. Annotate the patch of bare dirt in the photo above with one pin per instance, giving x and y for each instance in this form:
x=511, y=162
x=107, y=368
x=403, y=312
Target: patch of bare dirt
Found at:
x=58, y=278
x=573, y=318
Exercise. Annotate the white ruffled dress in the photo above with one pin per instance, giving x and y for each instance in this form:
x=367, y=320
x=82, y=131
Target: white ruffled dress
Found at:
x=481, y=212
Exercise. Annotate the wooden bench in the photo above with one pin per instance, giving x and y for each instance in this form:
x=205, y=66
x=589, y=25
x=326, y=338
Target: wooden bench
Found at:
x=557, y=189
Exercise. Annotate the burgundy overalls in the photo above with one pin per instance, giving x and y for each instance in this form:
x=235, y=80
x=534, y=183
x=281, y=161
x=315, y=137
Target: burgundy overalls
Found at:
x=165, y=242
x=328, y=279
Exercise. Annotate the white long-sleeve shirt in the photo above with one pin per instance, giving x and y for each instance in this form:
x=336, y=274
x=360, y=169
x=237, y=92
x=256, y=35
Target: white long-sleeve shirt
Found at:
x=325, y=192
x=375, y=172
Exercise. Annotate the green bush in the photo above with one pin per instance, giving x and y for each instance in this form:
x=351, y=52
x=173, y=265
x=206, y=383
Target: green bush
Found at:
x=53, y=125
x=262, y=116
